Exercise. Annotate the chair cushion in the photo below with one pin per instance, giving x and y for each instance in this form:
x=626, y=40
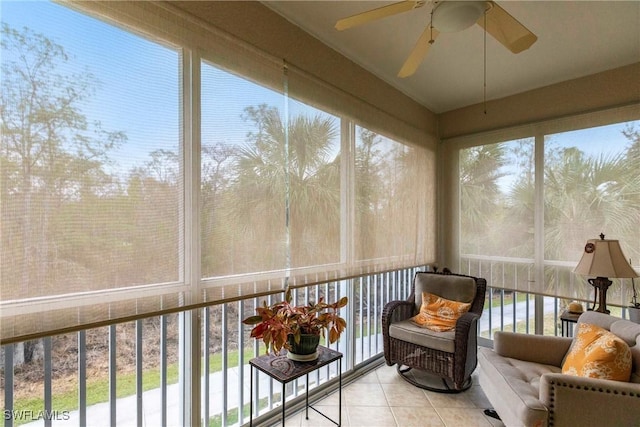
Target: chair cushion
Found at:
x=451, y=287
x=439, y=314
x=408, y=331
x=598, y=353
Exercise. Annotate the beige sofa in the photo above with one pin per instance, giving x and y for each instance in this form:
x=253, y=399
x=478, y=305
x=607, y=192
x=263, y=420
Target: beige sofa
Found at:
x=522, y=379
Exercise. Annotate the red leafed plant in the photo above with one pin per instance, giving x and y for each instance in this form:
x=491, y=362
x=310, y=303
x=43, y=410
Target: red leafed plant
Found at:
x=274, y=323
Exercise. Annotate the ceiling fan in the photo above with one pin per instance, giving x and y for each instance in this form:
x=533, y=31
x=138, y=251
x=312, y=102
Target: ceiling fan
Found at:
x=450, y=16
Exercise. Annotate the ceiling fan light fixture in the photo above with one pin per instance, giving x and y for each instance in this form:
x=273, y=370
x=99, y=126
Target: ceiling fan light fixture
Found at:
x=451, y=16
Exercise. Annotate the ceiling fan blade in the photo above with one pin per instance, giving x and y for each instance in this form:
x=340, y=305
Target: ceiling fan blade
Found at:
x=378, y=13
x=506, y=29
x=418, y=53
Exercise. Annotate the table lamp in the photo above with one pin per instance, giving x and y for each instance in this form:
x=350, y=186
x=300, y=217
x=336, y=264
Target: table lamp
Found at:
x=603, y=259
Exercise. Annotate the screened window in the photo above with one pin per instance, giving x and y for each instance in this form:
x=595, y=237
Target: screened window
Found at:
x=392, y=192
x=90, y=151
x=270, y=179
x=242, y=176
x=591, y=186
x=497, y=199
x=513, y=202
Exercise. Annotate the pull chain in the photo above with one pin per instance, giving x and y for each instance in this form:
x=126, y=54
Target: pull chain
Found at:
x=431, y=28
x=485, y=64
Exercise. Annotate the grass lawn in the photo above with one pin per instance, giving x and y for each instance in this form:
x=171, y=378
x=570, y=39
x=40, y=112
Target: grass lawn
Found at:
x=98, y=388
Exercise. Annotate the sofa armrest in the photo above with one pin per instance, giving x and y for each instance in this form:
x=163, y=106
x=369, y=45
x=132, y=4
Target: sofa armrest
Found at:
x=579, y=401
x=548, y=350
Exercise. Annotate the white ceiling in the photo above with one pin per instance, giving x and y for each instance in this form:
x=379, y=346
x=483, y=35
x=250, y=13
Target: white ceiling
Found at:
x=575, y=39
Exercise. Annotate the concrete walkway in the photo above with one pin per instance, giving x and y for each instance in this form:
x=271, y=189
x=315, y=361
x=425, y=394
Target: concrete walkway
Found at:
x=126, y=416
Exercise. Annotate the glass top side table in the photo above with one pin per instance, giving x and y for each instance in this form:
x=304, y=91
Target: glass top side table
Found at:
x=285, y=370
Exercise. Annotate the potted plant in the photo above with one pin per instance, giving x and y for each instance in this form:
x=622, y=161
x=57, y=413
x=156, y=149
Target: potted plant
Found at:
x=297, y=328
x=634, y=308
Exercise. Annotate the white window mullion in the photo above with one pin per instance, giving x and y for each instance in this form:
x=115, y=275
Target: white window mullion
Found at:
x=347, y=223
x=347, y=190
x=538, y=221
x=190, y=329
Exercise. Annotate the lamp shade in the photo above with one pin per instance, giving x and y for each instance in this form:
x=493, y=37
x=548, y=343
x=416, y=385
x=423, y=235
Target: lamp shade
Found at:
x=604, y=258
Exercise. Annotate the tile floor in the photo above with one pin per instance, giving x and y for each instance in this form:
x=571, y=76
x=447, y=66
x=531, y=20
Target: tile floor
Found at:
x=381, y=398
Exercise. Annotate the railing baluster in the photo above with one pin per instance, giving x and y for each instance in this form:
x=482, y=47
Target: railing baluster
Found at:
x=376, y=283
x=527, y=312
x=47, y=379
x=515, y=309
x=225, y=363
x=205, y=370
x=82, y=377
x=490, y=313
x=316, y=297
x=139, y=406
x=8, y=383
x=295, y=300
x=327, y=298
x=368, y=316
x=387, y=286
x=502, y=309
x=240, y=362
x=556, y=302
x=270, y=394
x=361, y=316
x=163, y=370
x=112, y=375
x=255, y=398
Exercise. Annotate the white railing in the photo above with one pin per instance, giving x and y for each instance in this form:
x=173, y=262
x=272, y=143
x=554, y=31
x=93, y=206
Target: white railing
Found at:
x=130, y=374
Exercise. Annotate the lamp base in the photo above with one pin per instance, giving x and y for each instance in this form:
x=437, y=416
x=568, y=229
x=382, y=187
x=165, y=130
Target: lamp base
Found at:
x=601, y=284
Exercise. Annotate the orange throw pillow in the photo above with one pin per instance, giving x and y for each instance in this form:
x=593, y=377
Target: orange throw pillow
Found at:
x=439, y=314
x=598, y=353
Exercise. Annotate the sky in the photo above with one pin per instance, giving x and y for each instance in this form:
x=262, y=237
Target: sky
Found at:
x=138, y=88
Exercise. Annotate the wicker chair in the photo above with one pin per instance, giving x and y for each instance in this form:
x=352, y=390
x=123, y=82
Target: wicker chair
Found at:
x=450, y=355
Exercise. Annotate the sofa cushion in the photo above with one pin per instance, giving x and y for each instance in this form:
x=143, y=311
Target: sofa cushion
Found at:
x=512, y=386
x=628, y=331
x=598, y=353
x=439, y=314
x=408, y=331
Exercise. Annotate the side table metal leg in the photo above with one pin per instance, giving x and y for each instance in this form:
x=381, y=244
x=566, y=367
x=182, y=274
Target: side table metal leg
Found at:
x=283, y=396
x=339, y=392
x=250, y=396
x=306, y=406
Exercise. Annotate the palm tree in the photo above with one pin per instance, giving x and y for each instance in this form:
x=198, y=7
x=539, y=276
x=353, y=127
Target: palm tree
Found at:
x=287, y=188
x=582, y=194
x=480, y=171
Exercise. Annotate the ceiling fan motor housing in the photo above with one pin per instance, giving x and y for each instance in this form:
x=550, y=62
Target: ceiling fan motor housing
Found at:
x=451, y=16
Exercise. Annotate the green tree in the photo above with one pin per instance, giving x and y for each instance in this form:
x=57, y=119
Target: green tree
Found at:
x=50, y=153
x=369, y=182
x=217, y=161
